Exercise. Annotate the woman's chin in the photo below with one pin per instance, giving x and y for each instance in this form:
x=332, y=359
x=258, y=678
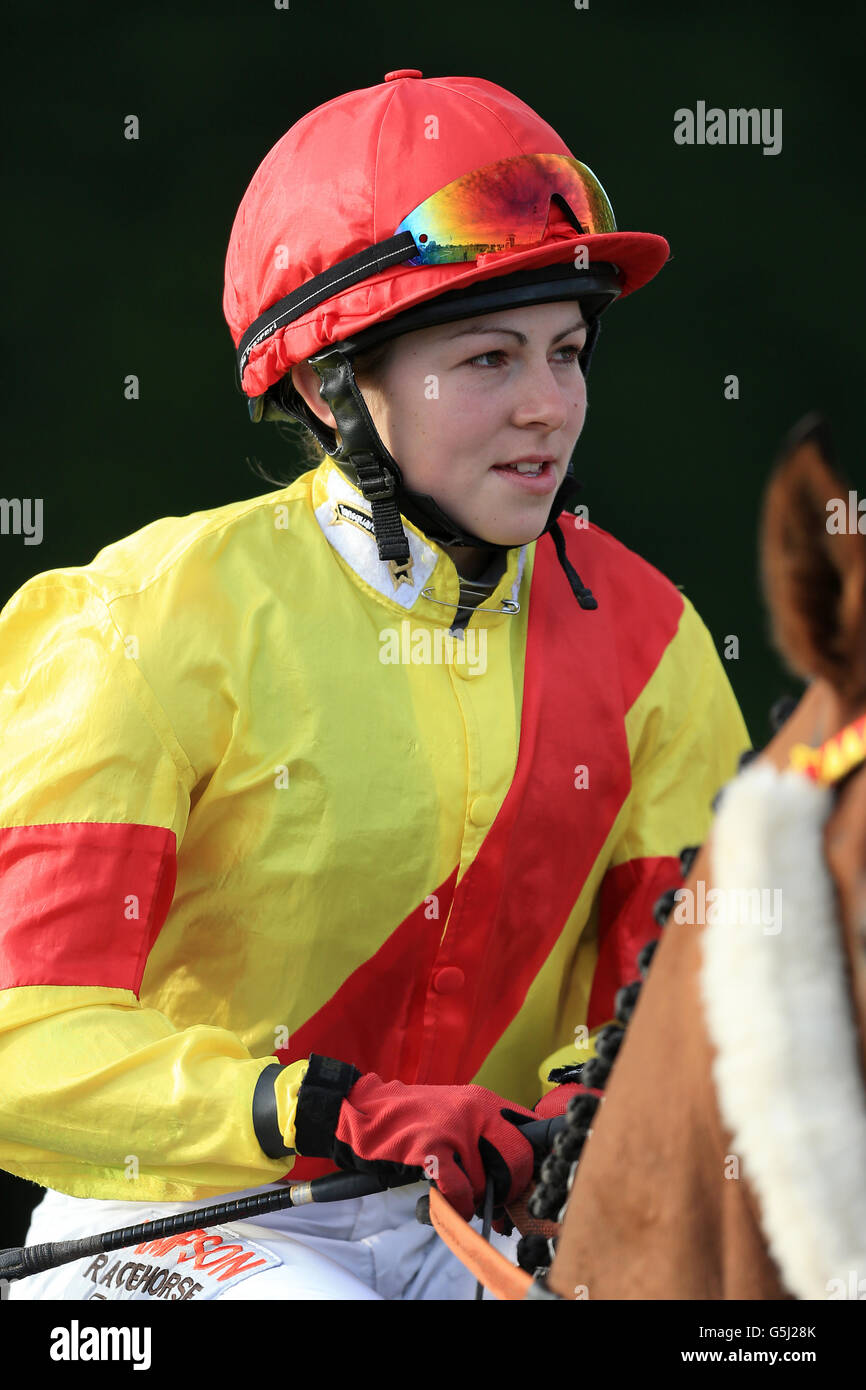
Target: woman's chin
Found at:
x=518, y=525
x=521, y=532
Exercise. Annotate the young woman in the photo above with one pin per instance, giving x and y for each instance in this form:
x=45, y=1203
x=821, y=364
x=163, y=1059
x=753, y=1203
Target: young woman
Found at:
x=334, y=818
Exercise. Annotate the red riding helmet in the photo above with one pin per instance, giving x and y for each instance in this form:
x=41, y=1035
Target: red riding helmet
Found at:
x=394, y=207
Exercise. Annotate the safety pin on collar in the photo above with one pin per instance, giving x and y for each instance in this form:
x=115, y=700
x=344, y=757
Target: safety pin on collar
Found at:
x=509, y=605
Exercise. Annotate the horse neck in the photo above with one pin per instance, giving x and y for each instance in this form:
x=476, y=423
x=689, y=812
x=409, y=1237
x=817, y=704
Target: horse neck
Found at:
x=821, y=713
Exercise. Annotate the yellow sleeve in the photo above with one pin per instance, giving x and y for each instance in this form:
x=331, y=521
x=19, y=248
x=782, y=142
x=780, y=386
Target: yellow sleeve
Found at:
x=101, y=1096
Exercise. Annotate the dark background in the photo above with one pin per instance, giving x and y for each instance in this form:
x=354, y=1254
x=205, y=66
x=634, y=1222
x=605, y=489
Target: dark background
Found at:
x=116, y=251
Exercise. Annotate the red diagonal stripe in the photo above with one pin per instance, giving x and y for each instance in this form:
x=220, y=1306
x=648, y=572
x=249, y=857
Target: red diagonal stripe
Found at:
x=626, y=924
x=374, y=1019
x=583, y=672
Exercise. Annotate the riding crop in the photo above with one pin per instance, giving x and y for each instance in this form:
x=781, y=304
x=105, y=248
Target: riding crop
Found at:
x=18, y=1262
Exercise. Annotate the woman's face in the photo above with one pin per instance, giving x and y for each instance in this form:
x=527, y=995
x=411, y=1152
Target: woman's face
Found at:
x=454, y=403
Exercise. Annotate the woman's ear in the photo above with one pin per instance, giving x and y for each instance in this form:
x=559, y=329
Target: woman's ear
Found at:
x=306, y=382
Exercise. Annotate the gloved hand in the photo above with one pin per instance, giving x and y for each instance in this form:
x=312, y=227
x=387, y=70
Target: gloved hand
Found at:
x=455, y=1135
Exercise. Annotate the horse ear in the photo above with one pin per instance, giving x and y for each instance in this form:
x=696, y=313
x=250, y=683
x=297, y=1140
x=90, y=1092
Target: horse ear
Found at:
x=813, y=563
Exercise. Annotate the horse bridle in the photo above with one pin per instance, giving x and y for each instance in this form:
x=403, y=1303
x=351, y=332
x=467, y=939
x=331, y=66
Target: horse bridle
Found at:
x=835, y=759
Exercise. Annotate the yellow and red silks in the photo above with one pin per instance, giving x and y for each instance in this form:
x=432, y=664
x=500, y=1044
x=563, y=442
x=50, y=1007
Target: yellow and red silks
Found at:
x=233, y=833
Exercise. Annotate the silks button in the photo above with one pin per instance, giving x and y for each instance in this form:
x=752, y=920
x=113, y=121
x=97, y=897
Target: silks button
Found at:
x=449, y=979
x=482, y=810
x=402, y=72
x=466, y=670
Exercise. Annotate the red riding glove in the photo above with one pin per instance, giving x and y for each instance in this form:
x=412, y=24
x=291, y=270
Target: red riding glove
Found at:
x=458, y=1136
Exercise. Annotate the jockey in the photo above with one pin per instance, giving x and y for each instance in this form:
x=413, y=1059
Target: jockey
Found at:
x=333, y=819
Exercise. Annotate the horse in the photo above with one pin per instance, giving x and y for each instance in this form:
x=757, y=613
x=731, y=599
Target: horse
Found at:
x=718, y=1150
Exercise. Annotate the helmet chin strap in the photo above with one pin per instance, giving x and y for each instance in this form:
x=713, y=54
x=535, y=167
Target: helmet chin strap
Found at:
x=363, y=457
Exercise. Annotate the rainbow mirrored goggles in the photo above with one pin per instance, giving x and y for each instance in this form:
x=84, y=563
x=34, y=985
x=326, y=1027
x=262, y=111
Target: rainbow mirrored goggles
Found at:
x=500, y=207
x=505, y=206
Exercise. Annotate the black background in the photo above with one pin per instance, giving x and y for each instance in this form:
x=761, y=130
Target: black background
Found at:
x=115, y=254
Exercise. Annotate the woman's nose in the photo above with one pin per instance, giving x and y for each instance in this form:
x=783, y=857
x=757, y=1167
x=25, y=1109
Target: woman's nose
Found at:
x=544, y=398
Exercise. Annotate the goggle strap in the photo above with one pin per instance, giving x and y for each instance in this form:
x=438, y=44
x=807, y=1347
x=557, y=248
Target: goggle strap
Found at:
x=313, y=292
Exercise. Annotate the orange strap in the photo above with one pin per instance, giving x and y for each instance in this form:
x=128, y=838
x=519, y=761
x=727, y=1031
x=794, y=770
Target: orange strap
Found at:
x=499, y=1275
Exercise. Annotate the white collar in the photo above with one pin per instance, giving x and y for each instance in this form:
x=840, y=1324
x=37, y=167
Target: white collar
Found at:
x=344, y=516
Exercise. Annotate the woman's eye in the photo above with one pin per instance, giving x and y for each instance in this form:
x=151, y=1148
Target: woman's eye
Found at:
x=473, y=361
x=573, y=348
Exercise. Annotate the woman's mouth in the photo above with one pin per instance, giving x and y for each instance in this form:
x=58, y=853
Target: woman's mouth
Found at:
x=533, y=478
